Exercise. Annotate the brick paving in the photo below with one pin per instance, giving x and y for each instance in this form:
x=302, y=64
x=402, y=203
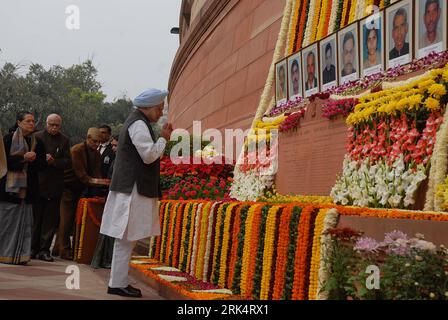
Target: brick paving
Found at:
x=41, y=280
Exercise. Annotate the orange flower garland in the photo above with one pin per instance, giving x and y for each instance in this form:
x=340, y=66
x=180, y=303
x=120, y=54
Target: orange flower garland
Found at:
x=268, y=252
x=217, y=247
x=293, y=26
x=169, y=237
x=178, y=235
x=282, y=250
x=234, y=248
x=164, y=231
x=247, y=248
x=298, y=291
x=302, y=20
x=225, y=244
x=315, y=257
x=253, y=246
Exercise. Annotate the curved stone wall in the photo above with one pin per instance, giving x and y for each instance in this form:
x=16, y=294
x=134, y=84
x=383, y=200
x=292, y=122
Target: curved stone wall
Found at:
x=221, y=66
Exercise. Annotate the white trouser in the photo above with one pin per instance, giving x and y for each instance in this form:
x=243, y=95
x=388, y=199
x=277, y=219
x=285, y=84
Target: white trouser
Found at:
x=120, y=263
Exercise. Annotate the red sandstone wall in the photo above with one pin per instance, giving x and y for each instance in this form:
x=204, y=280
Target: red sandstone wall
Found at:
x=310, y=158
x=223, y=77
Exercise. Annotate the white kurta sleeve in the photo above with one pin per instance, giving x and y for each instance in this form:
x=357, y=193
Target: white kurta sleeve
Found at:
x=141, y=138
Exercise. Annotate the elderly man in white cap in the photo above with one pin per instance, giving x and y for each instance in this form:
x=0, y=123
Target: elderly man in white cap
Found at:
x=131, y=210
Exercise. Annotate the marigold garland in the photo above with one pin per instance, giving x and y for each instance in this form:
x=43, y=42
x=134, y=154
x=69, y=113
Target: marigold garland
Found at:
x=219, y=227
x=282, y=250
x=183, y=242
x=315, y=256
x=268, y=252
x=202, y=240
x=299, y=289
x=178, y=235
x=208, y=244
x=225, y=244
x=250, y=223
x=239, y=262
x=170, y=235
x=233, y=249
x=257, y=281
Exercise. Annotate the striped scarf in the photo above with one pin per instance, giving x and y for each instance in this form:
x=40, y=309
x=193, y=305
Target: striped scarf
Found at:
x=16, y=180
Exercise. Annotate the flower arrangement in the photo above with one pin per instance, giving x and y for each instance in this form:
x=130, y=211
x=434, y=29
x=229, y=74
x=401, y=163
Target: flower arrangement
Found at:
x=333, y=108
x=292, y=122
x=411, y=268
x=212, y=188
x=268, y=251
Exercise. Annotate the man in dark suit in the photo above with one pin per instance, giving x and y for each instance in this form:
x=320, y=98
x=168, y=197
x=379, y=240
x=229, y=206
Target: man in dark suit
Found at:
x=86, y=166
x=400, y=28
x=51, y=184
x=329, y=73
x=105, y=149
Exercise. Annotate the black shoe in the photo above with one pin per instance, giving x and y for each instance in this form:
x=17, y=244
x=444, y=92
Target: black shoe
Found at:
x=131, y=288
x=125, y=292
x=45, y=257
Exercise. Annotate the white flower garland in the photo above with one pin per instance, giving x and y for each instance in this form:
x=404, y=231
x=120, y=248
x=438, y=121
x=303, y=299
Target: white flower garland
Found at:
x=439, y=162
x=309, y=23
x=265, y=100
x=333, y=17
x=195, y=238
x=169, y=269
x=208, y=244
x=151, y=244
x=172, y=278
x=330, y=221
x=222, y=291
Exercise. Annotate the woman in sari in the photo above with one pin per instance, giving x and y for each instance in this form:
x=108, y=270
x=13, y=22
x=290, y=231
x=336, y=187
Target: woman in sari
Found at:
x=25, y=156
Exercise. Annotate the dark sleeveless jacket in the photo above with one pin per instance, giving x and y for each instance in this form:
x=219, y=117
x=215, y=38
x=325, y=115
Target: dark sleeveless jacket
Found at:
x=129, y=168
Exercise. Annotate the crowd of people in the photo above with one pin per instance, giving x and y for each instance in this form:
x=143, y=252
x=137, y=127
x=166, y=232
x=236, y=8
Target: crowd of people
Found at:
x=42, y=181
x=43, y=178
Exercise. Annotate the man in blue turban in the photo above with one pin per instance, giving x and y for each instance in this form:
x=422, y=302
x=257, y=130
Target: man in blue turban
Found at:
x=136, y=180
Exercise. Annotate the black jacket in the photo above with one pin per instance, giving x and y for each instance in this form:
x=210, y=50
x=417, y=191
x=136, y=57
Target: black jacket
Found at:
x=16, y=163
x=51, y=180
x=107, y=157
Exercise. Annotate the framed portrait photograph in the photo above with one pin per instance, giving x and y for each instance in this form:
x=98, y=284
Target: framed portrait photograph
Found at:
x=348, y=53
x=372, y=44
x=310, y=63
x=431, y=27
x=295, y=76
x=328, y=62
x=281, y=90
x=399, y=33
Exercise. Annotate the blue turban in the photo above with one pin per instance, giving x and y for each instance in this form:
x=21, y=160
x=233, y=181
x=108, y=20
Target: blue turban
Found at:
x=150, y=98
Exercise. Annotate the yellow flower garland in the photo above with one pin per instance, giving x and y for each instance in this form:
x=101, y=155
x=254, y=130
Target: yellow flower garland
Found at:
x=209, y=242
x=247, y=249
x=316, y=18
x=315, y=257
x=202, y=240
x=225, y=245
x=184, y=232
x=164, y=232
x=322, y=20
x=352, y=13
x=292, y=27
x=194, y=249
x=268, y=252
x=216, y=246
